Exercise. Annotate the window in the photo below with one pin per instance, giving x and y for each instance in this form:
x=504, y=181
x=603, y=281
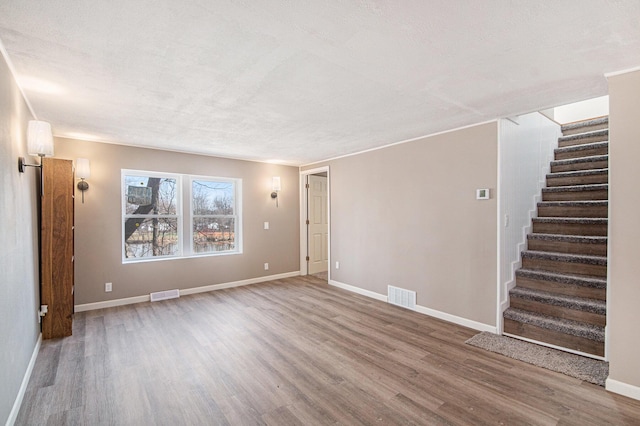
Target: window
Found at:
x=213, y=215
x=153, y=223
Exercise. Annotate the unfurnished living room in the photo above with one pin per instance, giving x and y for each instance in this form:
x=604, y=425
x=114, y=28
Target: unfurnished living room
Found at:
x=319, y=212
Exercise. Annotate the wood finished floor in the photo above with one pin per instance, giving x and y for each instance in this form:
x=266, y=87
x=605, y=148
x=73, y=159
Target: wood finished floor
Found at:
x=293, y=352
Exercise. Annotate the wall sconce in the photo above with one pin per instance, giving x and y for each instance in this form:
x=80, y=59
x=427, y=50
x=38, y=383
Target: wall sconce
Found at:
x=276, y=188
x=39, y=142
x=83, y=171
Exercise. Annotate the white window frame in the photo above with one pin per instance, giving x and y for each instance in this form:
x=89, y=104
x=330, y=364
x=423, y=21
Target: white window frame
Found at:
x=237, y=208
x=184, y=184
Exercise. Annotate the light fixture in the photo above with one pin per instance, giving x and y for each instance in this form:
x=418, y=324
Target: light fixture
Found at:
x=40, y=143
x=83, y=171
x=275, y=186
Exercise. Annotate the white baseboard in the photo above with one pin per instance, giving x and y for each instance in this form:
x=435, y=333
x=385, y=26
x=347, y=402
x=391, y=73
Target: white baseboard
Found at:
x=183, y=292
x=358, y=290
x=13, y=415
x=622, y=388
x=421, y=309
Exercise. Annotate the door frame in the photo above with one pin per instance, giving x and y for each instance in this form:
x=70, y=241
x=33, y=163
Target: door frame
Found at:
x=304, y=203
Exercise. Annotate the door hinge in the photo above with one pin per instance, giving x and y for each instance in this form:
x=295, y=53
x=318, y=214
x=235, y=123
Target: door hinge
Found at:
x=307, y=258
x=307, y=186
x=307, y=221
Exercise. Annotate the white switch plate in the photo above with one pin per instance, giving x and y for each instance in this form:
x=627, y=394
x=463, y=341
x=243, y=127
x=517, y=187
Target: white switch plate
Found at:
x=266, y=266
x=337, y=265
x=108, y=287
x=266, y=225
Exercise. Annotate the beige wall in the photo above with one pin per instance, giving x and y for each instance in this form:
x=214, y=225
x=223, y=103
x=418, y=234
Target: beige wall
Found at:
x=407, y=216
x=623, y=315
x=98, y=235
x=19, y=293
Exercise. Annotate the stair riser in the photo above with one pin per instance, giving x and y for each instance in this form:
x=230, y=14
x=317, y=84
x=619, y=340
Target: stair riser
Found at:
x=576, y=195
x=597, y=249
x=559, y=267
x=557, y=311
x=574, y=167
x=573, y=211
x=596, y=230
x=553, y=337
x=562, y=288
x=582, y=141
x=585, y=129
x=581, y=153
x=577, y=180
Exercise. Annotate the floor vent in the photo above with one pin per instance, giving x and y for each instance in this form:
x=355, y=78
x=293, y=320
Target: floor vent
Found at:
x=164, y=295
x=401, y=297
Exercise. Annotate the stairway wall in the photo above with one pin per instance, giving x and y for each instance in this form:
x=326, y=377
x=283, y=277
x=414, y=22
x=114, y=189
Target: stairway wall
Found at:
x=525, y=151
x=624, y=235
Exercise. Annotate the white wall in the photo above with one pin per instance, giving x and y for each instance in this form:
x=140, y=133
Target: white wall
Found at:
x=526, y=150
x=19, y=293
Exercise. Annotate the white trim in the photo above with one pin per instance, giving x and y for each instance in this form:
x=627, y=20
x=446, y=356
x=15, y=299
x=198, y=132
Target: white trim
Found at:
x=622, y=388
x=13, y=72
x=456, y=319
x=625, y=71
x=13, y=415
x=498, y=196
x=401, y=142
x=559, y=348
x=303, y=217
x=358, y=290
x=420, y=309
x=183, y=292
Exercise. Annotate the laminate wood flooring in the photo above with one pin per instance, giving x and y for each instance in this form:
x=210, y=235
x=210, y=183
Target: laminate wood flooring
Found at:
x=294, y=352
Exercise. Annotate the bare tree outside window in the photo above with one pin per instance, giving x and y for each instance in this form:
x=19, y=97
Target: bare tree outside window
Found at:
x=214, y=216
x=151, y=229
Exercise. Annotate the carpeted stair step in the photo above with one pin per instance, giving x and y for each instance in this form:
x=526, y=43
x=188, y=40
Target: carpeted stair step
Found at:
x=585, y=150
x=595, y=209
x=570, y=226
x=583, y=138
x=591, y=311
x=599, y=191
x=567, y=284
x=571, y=244
x=561, y=263
x=587, y=338
x=579, y=177
x=582, y=163
x=585, y=126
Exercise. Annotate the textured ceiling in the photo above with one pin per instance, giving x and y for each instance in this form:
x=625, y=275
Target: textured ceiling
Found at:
x=302, y=81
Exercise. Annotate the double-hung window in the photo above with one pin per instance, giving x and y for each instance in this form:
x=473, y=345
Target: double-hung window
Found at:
x=214, y=215
x=154, y=226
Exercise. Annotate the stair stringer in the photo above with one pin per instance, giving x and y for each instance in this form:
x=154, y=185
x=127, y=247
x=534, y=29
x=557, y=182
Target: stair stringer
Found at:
x=527, y=144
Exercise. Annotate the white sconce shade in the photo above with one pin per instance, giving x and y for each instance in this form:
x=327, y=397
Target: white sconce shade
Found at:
x=39, y=139
x=276, y=183
x=83, y=171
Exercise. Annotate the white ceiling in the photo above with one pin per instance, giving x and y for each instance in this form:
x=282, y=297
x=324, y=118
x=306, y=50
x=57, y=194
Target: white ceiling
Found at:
x=302, y=81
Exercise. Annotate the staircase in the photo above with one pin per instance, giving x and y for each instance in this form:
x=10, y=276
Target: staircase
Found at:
x=560, y=291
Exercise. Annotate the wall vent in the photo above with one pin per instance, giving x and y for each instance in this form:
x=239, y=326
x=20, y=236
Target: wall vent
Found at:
x=401, y=297
x=164, y=295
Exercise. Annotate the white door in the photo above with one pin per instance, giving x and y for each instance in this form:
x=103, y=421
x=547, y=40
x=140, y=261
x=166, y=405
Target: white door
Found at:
x=318, y=228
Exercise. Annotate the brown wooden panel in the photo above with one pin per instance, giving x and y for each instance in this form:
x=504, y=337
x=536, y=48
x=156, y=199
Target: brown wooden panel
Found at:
x=573, y=211
x=562, y=288
x=569, y=247
x=601, y=194
x=557, y=311
x=570, y=228
x=57, y=247
x=560, y=267
x=573, y=167
x=553, y=337
x=582, y=153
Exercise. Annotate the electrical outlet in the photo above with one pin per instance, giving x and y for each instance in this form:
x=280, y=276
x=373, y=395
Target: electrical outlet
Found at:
x=108, y=287
x=337, y=265
x=266, y=266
